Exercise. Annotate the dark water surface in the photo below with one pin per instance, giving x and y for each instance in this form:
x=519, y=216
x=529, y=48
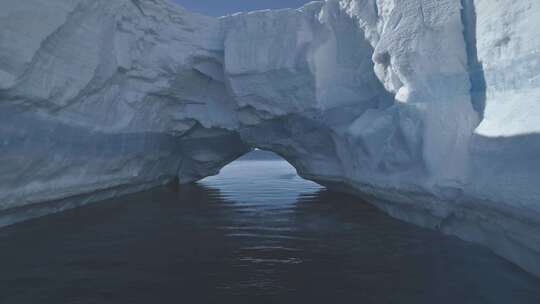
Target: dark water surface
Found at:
x=257, y=233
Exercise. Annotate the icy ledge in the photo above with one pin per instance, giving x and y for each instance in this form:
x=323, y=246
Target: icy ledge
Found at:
x=428, y=109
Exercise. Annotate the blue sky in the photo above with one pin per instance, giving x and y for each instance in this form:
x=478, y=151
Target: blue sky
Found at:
x=223, y=7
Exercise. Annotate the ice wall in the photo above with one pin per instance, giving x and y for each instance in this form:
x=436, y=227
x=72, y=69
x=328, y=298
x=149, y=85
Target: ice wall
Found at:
x=100, y=98
x=426, y=108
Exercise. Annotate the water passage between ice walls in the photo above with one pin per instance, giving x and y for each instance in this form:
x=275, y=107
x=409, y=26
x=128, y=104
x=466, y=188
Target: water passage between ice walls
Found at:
x=427, y=109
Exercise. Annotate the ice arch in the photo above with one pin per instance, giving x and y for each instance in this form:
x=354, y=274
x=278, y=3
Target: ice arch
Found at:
x=418, y=106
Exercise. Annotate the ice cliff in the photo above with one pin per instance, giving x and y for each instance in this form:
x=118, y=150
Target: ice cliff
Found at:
x=428, y=109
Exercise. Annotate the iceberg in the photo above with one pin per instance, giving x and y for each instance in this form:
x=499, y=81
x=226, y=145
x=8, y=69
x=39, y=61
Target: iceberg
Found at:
x=427, y=109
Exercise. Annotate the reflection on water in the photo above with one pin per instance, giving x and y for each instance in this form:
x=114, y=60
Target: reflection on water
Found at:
x=256, y=233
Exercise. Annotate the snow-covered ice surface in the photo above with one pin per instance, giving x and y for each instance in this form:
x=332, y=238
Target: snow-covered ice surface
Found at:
x=427, y=108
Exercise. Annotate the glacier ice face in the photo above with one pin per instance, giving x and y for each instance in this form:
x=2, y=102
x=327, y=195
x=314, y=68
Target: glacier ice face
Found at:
x=426, y=108
x=99, y=97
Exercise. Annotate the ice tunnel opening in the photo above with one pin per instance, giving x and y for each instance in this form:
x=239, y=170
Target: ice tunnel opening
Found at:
x=261, y=172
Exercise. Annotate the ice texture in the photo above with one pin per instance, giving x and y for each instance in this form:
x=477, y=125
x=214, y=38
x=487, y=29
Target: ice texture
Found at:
x=426, y=108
